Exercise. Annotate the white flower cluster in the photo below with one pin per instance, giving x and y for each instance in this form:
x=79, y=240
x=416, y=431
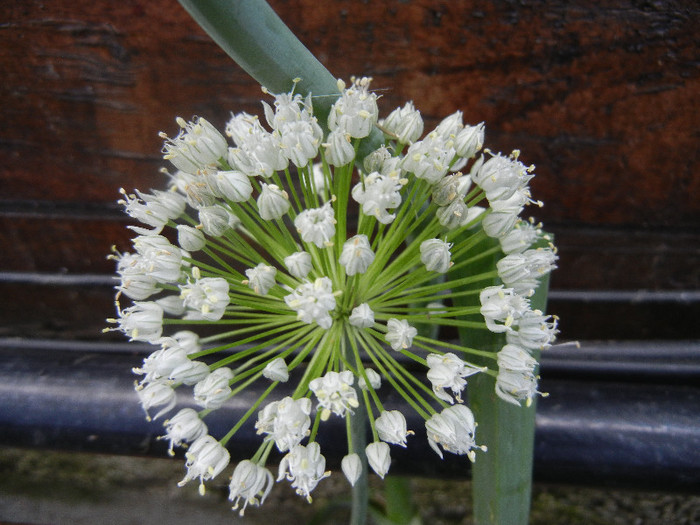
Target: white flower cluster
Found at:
x=269, y=257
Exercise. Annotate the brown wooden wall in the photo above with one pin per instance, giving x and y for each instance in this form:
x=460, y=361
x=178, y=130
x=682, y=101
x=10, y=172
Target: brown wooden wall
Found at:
x=602, y=96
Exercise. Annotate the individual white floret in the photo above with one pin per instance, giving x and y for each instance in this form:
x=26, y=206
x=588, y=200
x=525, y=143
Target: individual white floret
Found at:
x=362, y=316
x=213, y=391
x=206, y=298
x=156, y=395
x=469, y=141
x=276, y=370
x=198, y=144
x=375, y=380
x=171, y=305
x=351, y=466
x=521, y=237
x=301, y=141
x=522, y=271
x=435, y=255
x=190, y=238
x=286, y=422
x=356, y=111
x=399, y=334
x=448, y=371
x=338, y=148
x=335, y=393
x=500, y=177
x=316, y=225
x=206, y=458
x=405, y=123
x=188, y=341
x=450, y=126
x=251, y=483
x=141, y=322
x=357, y=255
x=453, y=430
x=234, y=185
x=454, y=215
x=535, y=331
x=501, y=307
x=199, y=189
x=298, y=264
x=154, y=209
x=304, y=466
x=450, y=188
x=313, y=302
x=391, y=427
x=261, y=278
x=430, y=158
x=273, y=202
x=160, y=364
x=378, y=457
x=377, y=194
x=189, y=372
x=184, y=427
x=216, y=220
x=134, y=282
x=159, y=259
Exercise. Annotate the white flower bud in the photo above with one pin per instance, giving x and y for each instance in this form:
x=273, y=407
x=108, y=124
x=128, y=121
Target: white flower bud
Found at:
x=399, y=334
x=469, y=141
x=316, y=225
x=189, y=373
x=234, y=185
x=189, y=238
x=362, y=316
x=378, y=457
x=215, y=220
x=357, y=255
x=447, y=190
x=171, y=305
x=450, y=125
x=352, y=468
x=339, y=149
x=298, y=264
x=435, y=254
x=375, y=380
x=273, y=202
x=391, y=427
x=405, y=123
x=261, y=278
x=276, y=370
x=213, y=391
x=188, y=341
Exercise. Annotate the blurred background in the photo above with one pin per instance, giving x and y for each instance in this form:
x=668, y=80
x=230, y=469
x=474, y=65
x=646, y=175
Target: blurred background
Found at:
x=603, y=97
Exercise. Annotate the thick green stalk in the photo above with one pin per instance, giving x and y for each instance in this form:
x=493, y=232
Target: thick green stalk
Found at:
x=502, y=476
x=252, y=34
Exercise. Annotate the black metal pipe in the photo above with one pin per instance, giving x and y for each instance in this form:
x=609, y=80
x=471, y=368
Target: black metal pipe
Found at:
x=626, y=426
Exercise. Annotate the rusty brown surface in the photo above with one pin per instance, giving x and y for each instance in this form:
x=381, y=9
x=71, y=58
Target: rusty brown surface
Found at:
x=602, y=97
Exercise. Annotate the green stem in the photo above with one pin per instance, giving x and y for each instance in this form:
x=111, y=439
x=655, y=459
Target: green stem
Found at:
x=252, y=34
x=501, y=477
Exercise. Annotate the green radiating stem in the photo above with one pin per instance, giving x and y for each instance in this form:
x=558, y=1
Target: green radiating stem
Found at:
x=501, y=477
